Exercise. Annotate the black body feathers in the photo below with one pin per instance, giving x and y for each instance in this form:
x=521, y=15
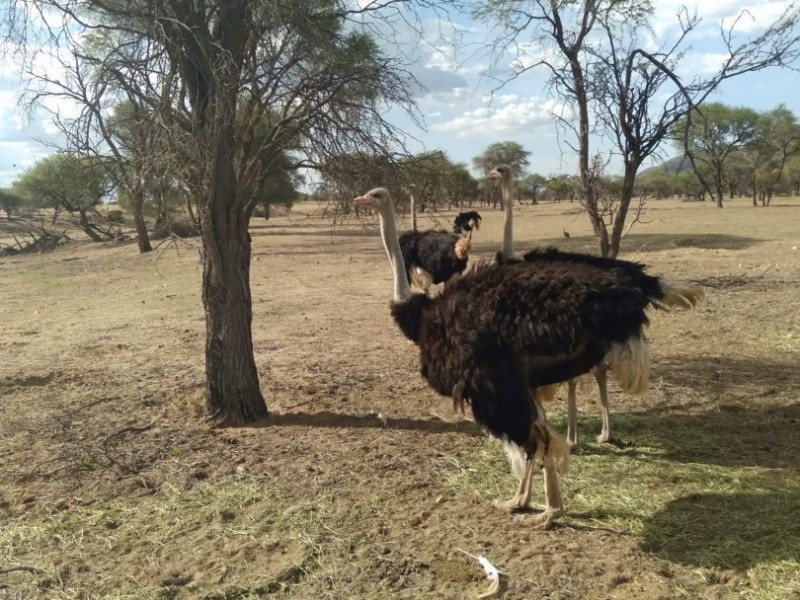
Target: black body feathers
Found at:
x=633, y=274
x=502, y=329
x=433, y=252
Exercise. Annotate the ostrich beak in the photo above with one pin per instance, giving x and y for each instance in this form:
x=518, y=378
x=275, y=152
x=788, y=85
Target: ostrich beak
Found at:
x=493, y=174
x=367, y=200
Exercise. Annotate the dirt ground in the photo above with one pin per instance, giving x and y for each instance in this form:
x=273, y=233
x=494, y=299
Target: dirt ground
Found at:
x=363, y=483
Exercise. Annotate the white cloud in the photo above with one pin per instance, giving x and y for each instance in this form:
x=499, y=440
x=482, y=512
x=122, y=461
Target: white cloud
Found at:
x=702, y=63
x=508, y=117
x=755, y=15
x=753, y=18
x=455, y=97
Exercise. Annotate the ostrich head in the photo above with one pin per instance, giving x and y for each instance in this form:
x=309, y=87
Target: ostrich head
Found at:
x=379, y=199
x=501, y=172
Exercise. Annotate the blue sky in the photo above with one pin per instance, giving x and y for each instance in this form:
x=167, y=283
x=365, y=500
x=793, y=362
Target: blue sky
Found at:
x=463, y=108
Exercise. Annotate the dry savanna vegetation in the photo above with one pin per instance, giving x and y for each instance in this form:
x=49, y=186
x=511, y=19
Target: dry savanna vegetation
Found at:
x=363, y=483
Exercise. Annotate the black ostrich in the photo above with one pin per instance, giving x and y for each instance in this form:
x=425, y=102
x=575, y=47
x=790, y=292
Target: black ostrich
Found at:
x=505, y=329
x=465, y=222
x=660, y=292
x=432, y=257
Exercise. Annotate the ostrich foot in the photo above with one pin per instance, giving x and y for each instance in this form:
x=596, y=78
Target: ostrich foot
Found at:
x=546, y=519
x=510, y=506
x=604, y=437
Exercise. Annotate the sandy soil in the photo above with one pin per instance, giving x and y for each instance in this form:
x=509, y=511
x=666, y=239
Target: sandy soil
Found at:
x=363, y=483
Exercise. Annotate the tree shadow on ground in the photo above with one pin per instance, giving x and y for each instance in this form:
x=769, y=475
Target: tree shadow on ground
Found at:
x=738, y=419
x=328, y=419
x=732, y=378
x=649, y=242
x=730, y=531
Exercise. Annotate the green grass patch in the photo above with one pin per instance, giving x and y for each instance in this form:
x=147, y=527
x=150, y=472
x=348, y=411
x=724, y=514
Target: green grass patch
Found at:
x=231, y=540
x=690, y=488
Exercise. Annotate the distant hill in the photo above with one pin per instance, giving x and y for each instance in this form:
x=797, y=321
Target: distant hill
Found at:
x=676, y=164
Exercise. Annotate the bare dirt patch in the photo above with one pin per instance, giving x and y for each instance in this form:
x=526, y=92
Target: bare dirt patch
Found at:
x=363, y=483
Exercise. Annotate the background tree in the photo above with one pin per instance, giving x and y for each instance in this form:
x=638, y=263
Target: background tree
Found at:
x=212, y=74
x=595, y=62
x=793, y=175
x=278, y=189
x=10, y=201
x=140, y=157
x=776, y=140
x=657, y=183
x=562, y=187
x=531, y=187
x=712, y=135
x=503, y=153
x=500, y=153
x=73, y=184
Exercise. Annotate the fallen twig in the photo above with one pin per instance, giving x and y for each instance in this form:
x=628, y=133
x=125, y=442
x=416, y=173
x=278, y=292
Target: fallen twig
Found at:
x=4, y=570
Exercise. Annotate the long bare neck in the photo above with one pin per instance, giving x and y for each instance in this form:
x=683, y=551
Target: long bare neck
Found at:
x=508, y=221
x=413, y=212
x=391, y=241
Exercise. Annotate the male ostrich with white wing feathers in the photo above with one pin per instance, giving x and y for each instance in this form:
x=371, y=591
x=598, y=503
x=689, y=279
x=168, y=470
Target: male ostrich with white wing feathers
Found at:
x=659, y=292
x=503, y=330
x=432, y=257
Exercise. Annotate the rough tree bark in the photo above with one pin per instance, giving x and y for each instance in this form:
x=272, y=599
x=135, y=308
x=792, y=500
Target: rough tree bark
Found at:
x=142, y=237
x=233, y=393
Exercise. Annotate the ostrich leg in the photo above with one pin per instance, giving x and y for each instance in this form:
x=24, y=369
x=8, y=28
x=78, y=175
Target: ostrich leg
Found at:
x=572, y=414
x=523, y=494
x=554, y=506
x=556, y=457
x=600, y=374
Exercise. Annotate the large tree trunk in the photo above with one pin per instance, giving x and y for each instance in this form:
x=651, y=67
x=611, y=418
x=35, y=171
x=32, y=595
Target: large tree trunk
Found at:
x=142, y=237
x=233, y=392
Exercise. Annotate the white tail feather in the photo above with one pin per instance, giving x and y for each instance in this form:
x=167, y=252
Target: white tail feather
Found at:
x=516, y=458
x=630, y=364
x=680, y=293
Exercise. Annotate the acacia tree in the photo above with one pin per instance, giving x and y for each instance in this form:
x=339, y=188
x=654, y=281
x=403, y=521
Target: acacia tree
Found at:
x=598, y=66
x=139, y=154
x=500, y=153
x=66, y=182
x=211, y=72
x=776, y=140
x=713, y=136
x=9, y=202
x=503, y=153
x=531, y=186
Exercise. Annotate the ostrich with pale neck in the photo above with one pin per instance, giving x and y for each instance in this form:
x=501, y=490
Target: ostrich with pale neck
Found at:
x=432, y=257
x=503, y=330
x=657, y=292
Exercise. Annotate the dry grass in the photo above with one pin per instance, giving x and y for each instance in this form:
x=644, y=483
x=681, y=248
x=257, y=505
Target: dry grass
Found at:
x=363, y=484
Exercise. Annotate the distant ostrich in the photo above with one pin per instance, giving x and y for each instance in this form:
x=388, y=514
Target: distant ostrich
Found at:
x=566, y=233
x=660, y=293
x=505, y=329
x=466, y=222
x=434, y=257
